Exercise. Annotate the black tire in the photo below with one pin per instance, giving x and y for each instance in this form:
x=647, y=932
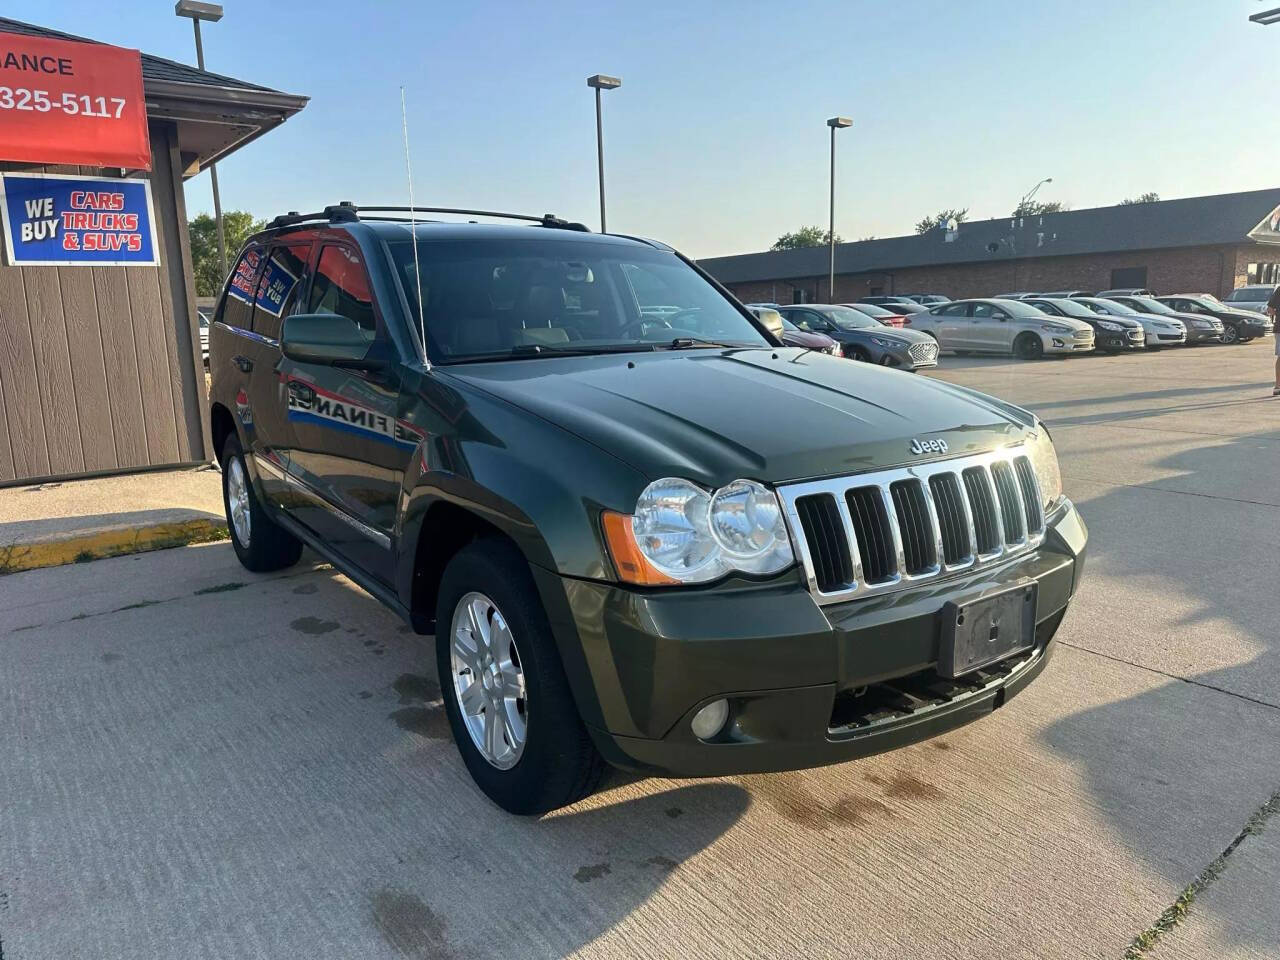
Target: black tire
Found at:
x=859, y=354
x=270, y=546
x=1028, y=347
x=559, y=764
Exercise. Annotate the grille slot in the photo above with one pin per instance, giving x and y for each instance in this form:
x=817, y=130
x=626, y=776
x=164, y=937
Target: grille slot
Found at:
x=873, y=534
x=983, y=504
x=828, y=546
x=1030, y=495
x=919, y=550
x=951, y=518
x=1010, y=501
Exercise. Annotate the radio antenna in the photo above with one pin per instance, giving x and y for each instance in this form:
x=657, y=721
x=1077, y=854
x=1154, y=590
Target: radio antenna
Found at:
x=413, y=229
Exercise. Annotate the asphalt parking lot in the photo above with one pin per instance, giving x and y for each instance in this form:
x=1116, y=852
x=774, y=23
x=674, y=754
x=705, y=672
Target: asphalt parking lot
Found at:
x=200, y=762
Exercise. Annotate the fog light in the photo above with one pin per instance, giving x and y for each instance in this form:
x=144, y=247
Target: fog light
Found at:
x=709, y=721
x=1058, y=343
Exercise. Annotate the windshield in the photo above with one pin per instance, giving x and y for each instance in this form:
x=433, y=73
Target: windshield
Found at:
x=788, y=325
x=494, y=299
x=849, y=318
x=1016, y=308
x=1070, y=307
x=1249, y=294
x=1107, y=306
x=1154, y=306
x=869, y=309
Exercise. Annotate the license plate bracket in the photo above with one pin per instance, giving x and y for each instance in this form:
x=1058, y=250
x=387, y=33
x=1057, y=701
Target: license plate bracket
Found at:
x=987, y=629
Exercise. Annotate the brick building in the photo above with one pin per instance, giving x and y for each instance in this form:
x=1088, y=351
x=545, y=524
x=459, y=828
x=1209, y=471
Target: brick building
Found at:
x=1198, y=244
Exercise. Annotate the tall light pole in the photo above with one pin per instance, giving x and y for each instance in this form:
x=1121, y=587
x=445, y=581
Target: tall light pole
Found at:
x=211, y=12
x=601, y=82
x=835, y=123
x=1026, y=197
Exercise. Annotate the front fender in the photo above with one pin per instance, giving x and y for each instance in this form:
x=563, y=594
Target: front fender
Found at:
x=540, y=485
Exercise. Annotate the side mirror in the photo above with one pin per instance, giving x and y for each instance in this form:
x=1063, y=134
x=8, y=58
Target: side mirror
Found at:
x=325, y=338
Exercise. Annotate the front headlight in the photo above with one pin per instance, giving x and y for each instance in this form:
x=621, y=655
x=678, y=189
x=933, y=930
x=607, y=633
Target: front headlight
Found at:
x=1055, y=327
x=1108, y=325
x=1044, y=459
x=887, y=344
x=680, y=533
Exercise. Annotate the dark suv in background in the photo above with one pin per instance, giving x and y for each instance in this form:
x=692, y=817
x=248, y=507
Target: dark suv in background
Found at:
x=642, y=531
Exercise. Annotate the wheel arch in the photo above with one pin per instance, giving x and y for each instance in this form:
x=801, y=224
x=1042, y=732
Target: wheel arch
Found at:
x=221, y=425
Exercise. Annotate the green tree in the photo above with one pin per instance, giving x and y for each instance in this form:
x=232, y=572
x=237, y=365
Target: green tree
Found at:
x=959, y=215
x=804, y=237
x=1033, y=208
x=1149, y=197
x=238, y=226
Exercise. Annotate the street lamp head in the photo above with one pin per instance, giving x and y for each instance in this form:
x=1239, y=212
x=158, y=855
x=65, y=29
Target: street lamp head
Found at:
x=196, y=10
x=839, y=122
x=1266, y=17
x=602, y=82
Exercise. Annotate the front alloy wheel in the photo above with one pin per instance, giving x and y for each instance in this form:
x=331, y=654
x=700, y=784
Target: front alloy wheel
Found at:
x=1029, y=347
x=1230, y=334
x=489, y=680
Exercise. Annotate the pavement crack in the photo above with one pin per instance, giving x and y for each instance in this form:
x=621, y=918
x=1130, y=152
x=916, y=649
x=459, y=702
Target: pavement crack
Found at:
x=1181, y=907
x=1172, y=676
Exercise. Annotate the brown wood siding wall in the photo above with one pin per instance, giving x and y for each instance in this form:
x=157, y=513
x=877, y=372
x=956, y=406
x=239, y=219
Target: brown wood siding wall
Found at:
x=99, y=366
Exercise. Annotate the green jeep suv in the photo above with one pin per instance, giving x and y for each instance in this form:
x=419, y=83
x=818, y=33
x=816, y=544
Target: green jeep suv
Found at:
x=643, y=532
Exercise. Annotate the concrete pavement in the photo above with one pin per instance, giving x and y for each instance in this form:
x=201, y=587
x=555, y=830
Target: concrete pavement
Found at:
x=203, y=762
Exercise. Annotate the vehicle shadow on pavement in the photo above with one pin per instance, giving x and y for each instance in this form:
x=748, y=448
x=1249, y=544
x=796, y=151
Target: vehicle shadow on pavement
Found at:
x=1185, y=589
x=562, y=881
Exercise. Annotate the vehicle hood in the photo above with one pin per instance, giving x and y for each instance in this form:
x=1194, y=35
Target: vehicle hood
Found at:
x=773, y=415
x=1073, y=322
x=1186, y=318
x=899, y=335
x=1251, y=315
x=1176, y=320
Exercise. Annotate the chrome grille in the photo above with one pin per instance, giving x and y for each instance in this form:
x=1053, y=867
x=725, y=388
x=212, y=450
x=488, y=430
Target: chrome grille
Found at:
x=872, y=533
x=923, y=352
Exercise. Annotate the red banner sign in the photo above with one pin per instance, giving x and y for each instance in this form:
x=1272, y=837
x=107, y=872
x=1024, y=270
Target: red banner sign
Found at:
x=68, y=102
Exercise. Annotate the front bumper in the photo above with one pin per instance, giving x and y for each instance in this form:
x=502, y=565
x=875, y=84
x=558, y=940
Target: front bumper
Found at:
x=808, y=685
x=1065, y=343
x=1118, y=341
x=1203, y=334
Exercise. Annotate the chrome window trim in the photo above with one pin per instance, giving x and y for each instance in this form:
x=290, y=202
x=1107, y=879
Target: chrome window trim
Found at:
x=838, y=487
x=377, y=536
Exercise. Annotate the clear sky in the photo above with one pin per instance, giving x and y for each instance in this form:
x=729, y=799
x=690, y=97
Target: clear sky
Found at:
x=716, y=141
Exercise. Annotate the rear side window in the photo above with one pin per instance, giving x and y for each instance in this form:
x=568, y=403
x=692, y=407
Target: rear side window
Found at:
x=237, y=306
x=341, y=286
x=278, y=287
x=953, y=310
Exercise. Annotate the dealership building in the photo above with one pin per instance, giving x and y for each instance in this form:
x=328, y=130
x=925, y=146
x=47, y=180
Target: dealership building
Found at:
x=1198, y=244
x=100, y=365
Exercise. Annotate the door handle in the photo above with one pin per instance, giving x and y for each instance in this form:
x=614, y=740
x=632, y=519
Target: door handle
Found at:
x=302, y=391
x=244, y=363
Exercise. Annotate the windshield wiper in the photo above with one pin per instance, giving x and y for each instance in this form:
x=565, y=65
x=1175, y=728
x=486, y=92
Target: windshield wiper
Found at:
x=684, y=343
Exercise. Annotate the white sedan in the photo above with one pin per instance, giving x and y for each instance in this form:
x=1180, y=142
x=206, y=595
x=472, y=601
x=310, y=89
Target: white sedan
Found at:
x=1002, y=326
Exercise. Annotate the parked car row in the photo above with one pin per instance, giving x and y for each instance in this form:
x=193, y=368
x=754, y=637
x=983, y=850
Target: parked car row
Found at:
x=1030, y=325
x=1205, y=318
x=859, y=331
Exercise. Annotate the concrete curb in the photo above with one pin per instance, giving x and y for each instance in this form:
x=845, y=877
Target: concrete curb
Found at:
x=111, y=541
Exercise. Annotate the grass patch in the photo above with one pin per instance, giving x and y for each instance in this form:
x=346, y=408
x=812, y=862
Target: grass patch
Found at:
x=1181, y=907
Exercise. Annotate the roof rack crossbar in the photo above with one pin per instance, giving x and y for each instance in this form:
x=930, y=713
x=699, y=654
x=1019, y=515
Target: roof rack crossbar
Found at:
x=347, y=212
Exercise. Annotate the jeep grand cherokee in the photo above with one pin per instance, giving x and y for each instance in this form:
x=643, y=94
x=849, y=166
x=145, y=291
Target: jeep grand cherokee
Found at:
x=642, y=531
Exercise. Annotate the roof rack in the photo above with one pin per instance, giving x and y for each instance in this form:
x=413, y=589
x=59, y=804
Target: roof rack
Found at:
x=348, y=212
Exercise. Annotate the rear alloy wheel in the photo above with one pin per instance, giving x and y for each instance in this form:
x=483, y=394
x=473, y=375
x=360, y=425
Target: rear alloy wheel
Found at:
x=260, y=543
x=1028, y=347
x=1230, y=334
